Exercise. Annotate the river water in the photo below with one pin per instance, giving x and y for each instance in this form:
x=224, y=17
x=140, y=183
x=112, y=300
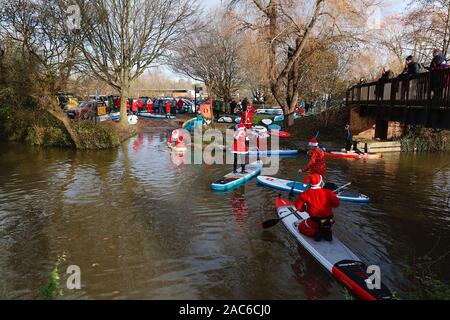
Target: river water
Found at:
x=141, y=227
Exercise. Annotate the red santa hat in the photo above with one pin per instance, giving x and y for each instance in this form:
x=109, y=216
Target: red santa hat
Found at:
x=316, y=180
x=313, y=142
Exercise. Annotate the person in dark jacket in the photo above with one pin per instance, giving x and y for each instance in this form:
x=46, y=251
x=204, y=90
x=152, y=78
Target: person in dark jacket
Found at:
x=233, y=106
x=412, y=67
x=348, y=138
x=439, y=80
x=438, y=58
x=386, y=75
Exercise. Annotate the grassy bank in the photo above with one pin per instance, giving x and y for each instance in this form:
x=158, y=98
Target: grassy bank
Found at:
x=418, y=139
x=36, y=127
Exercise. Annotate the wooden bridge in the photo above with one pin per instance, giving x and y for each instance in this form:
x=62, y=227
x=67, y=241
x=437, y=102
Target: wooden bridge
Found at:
x=421, y=99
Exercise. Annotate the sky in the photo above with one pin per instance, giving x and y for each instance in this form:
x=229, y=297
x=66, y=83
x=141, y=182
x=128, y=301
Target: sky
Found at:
x=388, y=7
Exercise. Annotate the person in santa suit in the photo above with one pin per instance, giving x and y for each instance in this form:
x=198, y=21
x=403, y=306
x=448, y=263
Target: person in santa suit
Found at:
x=317, y=163
x=168, y=108
x=134, y=106
x=247, y=116
x=319, y=204
x=140, y=105
x=240, y=147
x=177, y=139
x=149, y=105
x=128, y=105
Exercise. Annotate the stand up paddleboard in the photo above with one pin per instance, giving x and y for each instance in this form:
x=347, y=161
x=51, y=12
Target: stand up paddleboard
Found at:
x=233, y=180
x=354, y=155
x=286, y=185
x=281, y=134
x=155, y=116
x=269, y=153
x=343, y=264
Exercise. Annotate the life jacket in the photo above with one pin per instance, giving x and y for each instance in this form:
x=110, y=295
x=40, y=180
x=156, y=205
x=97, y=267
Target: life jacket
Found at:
x=134, y=107
x=168, y=107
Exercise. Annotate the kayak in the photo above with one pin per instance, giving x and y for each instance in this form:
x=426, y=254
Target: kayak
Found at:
x=354, y=155
x=281, y=134
x=275, y=127
x=286, y=185
x=233, y=180
x=155, y=116
x=269, y=153
x=269, y=111
x=267, y=122
x=189, y=125
x=342, y=263
x=278, y=119
x=225, y=120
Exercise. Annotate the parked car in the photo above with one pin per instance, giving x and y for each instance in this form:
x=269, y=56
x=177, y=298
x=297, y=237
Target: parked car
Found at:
x=86, y=110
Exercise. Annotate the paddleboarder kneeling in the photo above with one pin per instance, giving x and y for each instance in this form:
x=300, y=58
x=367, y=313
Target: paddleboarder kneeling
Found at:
x=177, y=139
x=319, y=204
x=240, y=148
x=317, y=164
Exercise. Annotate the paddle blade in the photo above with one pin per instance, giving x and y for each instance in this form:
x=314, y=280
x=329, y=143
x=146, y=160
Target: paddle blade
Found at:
x=270, y=223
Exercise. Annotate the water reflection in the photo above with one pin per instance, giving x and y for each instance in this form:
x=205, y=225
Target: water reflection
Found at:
x=143, y=226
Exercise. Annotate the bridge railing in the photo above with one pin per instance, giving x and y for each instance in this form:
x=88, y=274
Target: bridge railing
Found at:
x=429, y=90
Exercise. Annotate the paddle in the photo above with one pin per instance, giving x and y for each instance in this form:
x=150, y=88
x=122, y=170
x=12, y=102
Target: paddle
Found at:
x=293, y=186
x=343, y=187
x=273, y=222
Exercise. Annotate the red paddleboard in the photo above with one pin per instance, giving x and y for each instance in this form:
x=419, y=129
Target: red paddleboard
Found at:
x=281, y=134
x=354, y=155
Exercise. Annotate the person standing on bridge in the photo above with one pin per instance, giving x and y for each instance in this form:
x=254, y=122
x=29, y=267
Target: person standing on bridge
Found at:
x=412, y=67
x=438, y=59
x=317, y=163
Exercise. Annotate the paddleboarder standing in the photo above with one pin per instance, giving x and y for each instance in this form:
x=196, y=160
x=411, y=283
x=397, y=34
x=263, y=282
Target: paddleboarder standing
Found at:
x=317, y=163
x=319, y=204
x=240, y=148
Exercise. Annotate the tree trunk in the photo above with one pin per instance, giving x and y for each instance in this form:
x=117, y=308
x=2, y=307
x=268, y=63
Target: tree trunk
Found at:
x=124, y=92
x=61, y=116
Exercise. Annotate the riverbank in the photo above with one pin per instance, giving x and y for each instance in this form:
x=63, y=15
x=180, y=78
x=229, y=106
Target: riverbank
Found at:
x=36, y=127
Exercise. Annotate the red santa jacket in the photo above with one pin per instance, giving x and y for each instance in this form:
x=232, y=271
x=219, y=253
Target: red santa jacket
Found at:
x=168, y=107
x=319, y=203
x=240, y=142
x=247, y=117
x=150, y=105
x=317, y=164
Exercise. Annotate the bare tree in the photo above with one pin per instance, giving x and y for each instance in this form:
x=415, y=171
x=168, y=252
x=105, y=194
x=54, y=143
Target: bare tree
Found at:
x=49, y=47
x=213, y=55
x=123, y=38
x=289, y=27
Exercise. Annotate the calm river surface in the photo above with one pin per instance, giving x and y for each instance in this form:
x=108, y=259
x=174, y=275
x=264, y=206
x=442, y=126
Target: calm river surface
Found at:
x=141, y=227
